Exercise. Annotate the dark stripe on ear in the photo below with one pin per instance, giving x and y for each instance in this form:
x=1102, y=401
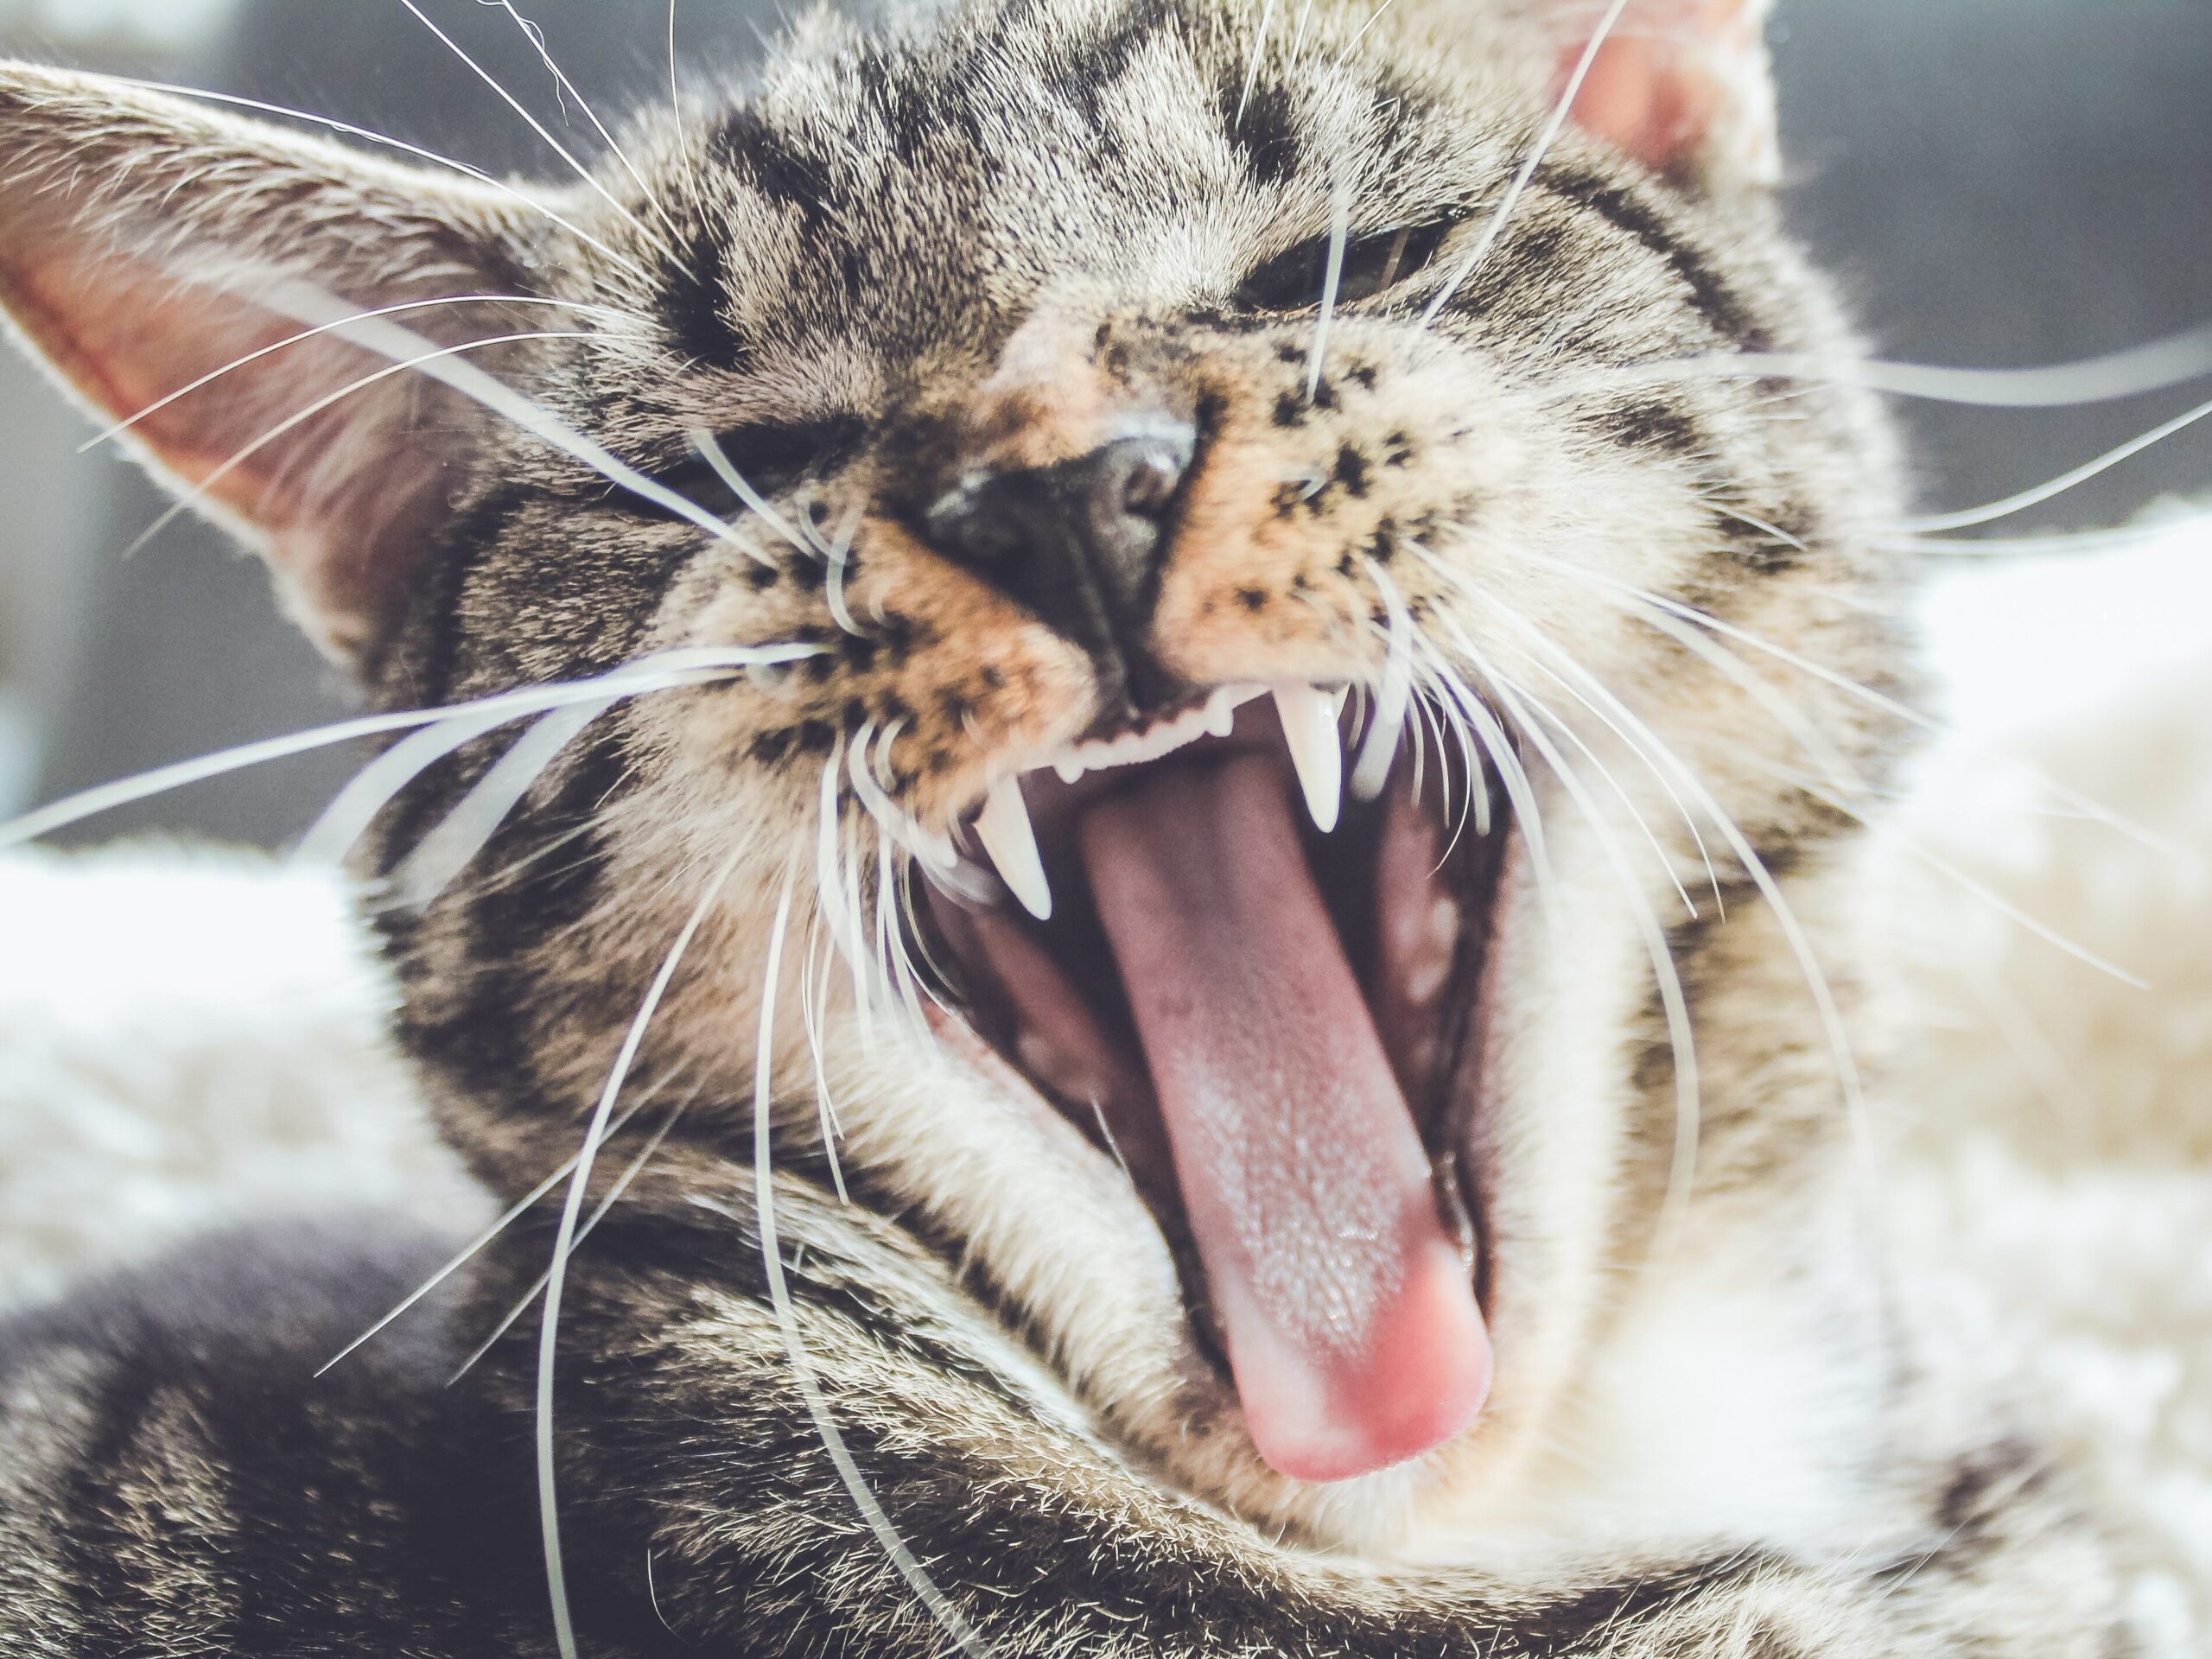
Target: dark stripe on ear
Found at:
x=1723, y=311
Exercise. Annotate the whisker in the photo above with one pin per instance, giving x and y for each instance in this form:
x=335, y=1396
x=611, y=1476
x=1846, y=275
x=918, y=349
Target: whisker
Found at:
x=536, y=36
x=2174, y=361
x=1391, y=702
x=1552, y=127
x=368, y=135
x=590, y=179
x=307, y=303
x=1252, y=69
x=468, y=1252
x=1689, y=1110
x=665, y=670
x=814, y=991
x=1527, y=627
x=1581, y=745
x=1980, y=890
x=595, y=1136
x=675, y=89
x=204, y=381
x=439, y=856
x=710, y=448
x=201, y=487
x=614, y=1194
x=772, y=1260
x=1360, y=34
x=1966, y=519
x=1339, y=232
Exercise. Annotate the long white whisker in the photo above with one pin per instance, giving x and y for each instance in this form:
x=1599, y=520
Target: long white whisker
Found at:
x=665, y=670
x=2174, y=361
x=1339, y=232
x=1252, y=69
x=1968, y=517
x=307, y=303
x=1674, y=1004
x=536, y=36
x=201, y=486
x=549, y=1512
x=779, y=1295
x=1530, y=630
x=155, y=408
x=467, y=1253
x=1981, y=890
x=675, y=89
x=1360, y=34
x=710, y=448
x=1552, y=127
x=1581, y=745
x=368, y=135
x=1392, y=701
x=614, y=1195
x=453, y=843
x=590, y=179
x=814, y=992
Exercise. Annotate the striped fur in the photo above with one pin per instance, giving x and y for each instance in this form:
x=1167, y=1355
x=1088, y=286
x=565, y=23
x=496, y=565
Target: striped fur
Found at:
x=1709, y=1436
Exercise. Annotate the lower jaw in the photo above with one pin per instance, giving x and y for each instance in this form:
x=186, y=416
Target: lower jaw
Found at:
x=1300, y=1135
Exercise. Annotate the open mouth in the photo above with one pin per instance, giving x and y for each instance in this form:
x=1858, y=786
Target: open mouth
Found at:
x=1263, y=999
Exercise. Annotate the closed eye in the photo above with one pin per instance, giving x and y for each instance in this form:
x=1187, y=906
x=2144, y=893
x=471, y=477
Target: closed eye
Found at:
x=1297, y=280
x=769, y=458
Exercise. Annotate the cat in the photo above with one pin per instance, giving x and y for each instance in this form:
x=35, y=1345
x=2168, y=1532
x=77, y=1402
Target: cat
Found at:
x=1200, y=681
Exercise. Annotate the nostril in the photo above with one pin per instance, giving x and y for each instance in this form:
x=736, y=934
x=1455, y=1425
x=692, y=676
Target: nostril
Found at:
x=1155, y=473
x=968, y=522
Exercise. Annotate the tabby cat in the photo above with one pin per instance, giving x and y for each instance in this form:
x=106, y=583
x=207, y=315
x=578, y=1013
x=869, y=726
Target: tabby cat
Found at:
x=1161, y=709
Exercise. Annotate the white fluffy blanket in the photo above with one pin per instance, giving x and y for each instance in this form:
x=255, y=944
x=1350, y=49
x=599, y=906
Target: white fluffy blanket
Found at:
x=193, y=1036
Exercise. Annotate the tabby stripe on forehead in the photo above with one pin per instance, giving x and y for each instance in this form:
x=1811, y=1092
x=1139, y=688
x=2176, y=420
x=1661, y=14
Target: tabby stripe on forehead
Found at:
x=1721, y=308
x=691, y=304
x=1266, y=134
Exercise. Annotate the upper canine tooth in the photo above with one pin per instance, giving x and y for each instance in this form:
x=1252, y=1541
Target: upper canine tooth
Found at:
x=1069, y=768
x=1309, y=726
x=1004, y=828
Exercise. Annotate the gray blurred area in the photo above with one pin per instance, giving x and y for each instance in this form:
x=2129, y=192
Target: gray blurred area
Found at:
x=1996, y=181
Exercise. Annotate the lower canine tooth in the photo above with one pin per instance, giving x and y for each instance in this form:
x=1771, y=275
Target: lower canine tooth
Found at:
x=1309, y=725
x=1004, y=828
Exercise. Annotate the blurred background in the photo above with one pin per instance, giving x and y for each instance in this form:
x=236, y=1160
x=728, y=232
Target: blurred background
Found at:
x=1996, y=182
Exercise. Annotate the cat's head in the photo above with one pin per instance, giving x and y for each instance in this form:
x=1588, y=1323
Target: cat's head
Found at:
x=1224, y=478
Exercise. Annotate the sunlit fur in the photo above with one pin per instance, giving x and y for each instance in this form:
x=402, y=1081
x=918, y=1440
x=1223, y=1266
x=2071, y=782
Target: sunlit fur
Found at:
x=990, y=234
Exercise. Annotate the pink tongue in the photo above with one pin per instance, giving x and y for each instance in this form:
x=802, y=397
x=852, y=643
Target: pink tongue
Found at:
x=1349, y=1314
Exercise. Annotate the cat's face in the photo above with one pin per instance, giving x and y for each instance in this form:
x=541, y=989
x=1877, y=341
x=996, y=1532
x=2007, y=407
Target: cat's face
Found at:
x=1285, y=706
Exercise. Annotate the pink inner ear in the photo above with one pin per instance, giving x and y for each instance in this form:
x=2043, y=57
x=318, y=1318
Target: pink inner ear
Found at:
x=1678, y=78
x=337, y=501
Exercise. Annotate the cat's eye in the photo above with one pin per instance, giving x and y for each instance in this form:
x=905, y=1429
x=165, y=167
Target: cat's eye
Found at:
x=1373, y=265
x=769, y=458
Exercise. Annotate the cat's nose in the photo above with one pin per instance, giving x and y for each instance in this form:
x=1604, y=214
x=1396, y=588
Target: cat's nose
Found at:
x=1080, y=545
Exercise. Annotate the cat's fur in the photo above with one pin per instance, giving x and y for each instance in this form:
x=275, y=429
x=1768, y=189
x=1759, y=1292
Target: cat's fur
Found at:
x=981, y=237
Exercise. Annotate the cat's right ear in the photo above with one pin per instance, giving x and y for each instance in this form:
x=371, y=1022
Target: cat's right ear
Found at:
x=146, y=246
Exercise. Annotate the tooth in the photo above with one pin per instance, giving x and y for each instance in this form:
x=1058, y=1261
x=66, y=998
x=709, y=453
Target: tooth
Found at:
x=1309, y=724
x=1004, y=828
x=1069, y=768
x=1221, y=714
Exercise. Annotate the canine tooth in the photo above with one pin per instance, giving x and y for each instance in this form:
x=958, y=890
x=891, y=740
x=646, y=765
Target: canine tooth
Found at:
x=1221, y=714
x=1007, y=835
x=1309, y=726
x=1071, y=768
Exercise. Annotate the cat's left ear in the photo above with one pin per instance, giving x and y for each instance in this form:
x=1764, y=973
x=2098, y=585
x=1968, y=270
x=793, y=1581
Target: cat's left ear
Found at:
x=1686, y=86
x=147, y=249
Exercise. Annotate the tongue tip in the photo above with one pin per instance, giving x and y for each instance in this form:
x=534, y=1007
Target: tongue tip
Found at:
x=1421, y=1383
